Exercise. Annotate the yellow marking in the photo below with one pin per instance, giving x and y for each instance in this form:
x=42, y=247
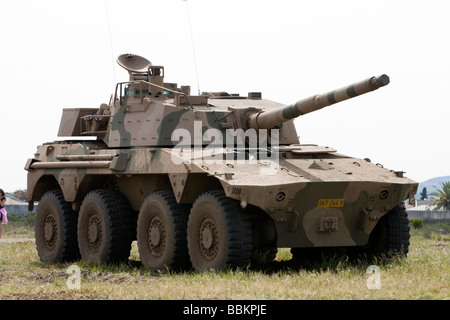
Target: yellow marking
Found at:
x=331, y=203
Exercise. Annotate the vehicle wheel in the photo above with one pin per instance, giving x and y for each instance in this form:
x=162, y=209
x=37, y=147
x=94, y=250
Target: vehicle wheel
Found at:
x=104, y=230
x=264, y=246
x=56, y=229
x=219, y=233
x=161, y=232
x=390, y=236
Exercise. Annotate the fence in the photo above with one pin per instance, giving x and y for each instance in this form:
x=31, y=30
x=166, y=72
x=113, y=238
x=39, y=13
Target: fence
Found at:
x=17, y=208
x=428, y=215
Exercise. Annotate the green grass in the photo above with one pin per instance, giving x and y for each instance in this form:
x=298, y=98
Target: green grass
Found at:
x=19, y=225
x=424, y=274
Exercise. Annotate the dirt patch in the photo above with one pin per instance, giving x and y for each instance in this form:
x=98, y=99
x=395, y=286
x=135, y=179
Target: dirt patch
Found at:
x=16, y=240
x=86, y=275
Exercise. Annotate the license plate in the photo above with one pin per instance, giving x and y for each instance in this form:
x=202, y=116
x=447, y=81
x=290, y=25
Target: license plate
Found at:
x=331, y=203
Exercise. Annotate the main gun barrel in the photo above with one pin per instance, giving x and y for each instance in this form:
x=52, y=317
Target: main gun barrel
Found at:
x=272, y=118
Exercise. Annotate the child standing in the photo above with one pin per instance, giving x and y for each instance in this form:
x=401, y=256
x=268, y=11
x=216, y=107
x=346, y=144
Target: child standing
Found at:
x=3, y=214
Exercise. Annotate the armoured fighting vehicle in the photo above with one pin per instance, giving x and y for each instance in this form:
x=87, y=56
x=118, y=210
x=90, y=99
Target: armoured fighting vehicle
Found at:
x=207, y=181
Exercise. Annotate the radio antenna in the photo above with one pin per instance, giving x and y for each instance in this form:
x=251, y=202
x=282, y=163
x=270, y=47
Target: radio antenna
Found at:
x=110, y=41
x=193, y=47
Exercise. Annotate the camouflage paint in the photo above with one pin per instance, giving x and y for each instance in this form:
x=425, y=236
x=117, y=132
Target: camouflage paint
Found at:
x=168, y=125
x=316, y=102
x=316, y=197
x=117, y=130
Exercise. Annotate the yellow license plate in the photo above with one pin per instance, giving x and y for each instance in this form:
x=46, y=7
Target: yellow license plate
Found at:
x=331, y=203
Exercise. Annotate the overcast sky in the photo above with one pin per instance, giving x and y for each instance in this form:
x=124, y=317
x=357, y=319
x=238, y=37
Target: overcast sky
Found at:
x=60, y=54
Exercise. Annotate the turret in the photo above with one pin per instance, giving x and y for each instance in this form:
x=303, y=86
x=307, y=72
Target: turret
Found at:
x=272, y=118
x=146, y=111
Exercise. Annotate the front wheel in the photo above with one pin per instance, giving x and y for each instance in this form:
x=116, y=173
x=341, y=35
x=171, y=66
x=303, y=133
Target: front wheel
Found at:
x=390, y=236
x=219, y=233
x=56, y=229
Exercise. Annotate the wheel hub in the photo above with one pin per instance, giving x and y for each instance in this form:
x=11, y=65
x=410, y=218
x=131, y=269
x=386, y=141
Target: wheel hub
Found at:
x=156, y=236
x=94, y=233
x=207, y=238
x=209, y=243
x=50, y=231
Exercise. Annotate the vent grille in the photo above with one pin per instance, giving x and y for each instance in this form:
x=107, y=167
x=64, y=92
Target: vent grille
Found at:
x=236, y=191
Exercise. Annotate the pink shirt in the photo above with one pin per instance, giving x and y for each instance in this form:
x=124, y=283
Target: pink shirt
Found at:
x=4, y=215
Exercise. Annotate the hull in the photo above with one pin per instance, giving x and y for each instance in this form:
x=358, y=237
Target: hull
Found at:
x=314, y=196
x=326, y=202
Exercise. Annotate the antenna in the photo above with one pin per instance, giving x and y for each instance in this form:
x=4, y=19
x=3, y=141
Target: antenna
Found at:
x=110, y=41
x=193, y=48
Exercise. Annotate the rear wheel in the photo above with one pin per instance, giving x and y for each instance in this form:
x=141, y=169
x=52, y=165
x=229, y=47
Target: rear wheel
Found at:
x=104, y=229
x=56, y=229
x=219, y=233
x=161, y=232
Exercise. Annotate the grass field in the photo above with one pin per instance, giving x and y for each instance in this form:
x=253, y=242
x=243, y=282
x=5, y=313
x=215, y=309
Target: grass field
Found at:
x=424, y=274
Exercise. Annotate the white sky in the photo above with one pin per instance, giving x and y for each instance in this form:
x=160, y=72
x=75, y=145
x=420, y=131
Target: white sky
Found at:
x=58, y=54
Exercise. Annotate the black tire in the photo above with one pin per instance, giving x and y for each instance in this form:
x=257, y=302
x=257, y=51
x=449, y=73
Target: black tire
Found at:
x=219, y=233
x=56, y=229
x=161, y=232
x=104, y=229
x=264, y=246
x=390, y=236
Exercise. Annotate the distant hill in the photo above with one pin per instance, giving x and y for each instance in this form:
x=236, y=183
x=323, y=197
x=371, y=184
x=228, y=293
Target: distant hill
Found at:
x=431, y=184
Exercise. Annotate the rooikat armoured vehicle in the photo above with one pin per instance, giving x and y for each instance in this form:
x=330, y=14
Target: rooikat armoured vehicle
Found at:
x=209, y=181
